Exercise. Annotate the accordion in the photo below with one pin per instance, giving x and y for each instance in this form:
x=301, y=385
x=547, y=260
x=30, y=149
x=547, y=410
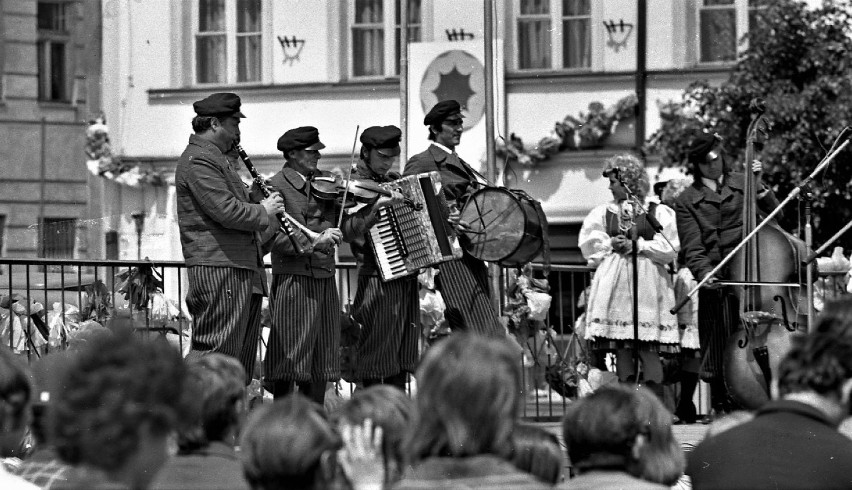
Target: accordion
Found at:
x=405, y=239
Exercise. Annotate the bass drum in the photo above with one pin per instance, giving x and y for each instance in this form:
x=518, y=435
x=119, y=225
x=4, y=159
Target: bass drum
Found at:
x=506, y=226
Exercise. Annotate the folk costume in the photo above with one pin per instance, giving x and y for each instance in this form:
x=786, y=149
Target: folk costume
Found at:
x=609, y=310
x=463, y=282
x=388, y=312
x=219, y=228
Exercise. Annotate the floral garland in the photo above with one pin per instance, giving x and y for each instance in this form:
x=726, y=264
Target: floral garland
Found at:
x=103, y=163
x=589, y=130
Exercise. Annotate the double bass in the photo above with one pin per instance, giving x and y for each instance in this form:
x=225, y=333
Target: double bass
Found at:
x=766, y=273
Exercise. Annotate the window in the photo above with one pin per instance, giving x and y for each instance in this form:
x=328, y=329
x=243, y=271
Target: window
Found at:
x=2, y=233
x=228, y=41
x=374, y=53
x=554, y=34
x=58, y=236
x=52, y=45
x=721, y=25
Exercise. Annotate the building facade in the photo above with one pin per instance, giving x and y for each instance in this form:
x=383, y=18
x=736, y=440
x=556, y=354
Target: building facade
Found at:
x=49, y=85
x=335, y=64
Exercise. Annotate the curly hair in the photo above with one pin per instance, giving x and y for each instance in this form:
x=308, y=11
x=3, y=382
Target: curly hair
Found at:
x=201, y=124
x=601, y=430
x=284, y=442
x=389, y=408
x=632, y=172
x=818, y=362
x=215, y=388
x=113, y=386
x=468, y=399
x=15, y=393
x=673, y=189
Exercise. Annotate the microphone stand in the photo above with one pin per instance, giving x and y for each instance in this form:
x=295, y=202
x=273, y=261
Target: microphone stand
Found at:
x=793, y=195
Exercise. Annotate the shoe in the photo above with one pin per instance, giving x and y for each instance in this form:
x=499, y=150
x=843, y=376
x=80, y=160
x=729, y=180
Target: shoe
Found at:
x=686, y=413
x=707, y=419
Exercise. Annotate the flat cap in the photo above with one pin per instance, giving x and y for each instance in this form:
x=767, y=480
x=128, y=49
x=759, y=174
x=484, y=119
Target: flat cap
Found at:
x=303, y=138
x=442, y=111
x=384, y=139
x=702, y=143
x=220, y=104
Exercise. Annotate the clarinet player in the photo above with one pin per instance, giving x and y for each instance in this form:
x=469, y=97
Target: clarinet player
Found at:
x=219, y=234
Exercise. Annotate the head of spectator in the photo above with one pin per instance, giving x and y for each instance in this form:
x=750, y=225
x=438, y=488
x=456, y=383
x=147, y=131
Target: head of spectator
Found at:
x=389, y=408
x=836, y=318
x=468, y=399
x=629, y=170
x=706, y=155
x=216, y=389
x=817, y=371
x=218, y=119
x=627, y=429
x=538, y=452
x=15, y=397
x=290, y=444
x=116, y=408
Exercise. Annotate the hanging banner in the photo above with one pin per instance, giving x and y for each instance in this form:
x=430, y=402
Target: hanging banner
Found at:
x=453, y=70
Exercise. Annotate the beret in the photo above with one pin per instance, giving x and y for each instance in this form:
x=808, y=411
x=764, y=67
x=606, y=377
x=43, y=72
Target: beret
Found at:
x=220, y=104
x=303, y=138
x=700, y=146
x=442, y=111
x=384, y=139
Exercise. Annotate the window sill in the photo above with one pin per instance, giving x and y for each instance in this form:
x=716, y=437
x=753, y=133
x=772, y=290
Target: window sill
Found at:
x=388, y=87
x=548, y=77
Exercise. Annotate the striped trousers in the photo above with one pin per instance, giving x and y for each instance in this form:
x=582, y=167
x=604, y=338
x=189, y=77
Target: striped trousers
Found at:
x=225, y=313
x=464, y=287
x=389, y=316
x=304, y=343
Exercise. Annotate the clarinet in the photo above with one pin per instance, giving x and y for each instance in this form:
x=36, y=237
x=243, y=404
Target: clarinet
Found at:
x=282, y=217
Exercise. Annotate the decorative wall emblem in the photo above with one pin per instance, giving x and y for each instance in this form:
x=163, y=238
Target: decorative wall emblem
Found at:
x=458, y=35
x=456, y=75
x=292, y=48
x=618, y=33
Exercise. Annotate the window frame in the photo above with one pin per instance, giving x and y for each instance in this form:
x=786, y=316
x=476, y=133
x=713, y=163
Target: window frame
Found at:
x=45, y=40
x=389, y=28
x=231, y=44
x=556, y=17
x=742, y=9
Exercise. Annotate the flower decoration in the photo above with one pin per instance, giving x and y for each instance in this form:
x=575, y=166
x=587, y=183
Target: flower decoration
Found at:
x=102, y=161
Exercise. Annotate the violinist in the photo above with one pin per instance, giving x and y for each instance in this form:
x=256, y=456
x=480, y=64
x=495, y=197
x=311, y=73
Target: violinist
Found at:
x=709, y=223
x=464, y=282
x=387, y=311
x=305, y=307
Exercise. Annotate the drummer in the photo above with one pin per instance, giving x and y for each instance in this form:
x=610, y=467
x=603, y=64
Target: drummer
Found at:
x=464, y=282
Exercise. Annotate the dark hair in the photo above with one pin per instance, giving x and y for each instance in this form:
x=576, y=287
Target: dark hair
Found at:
x=437, y=128
x=537, y=452
x=116, y=384
x=836, y=318
x=601, y=430
x=389, y=408
x=215, y=389
x=284, y=442
x=15, y=394
x=818, y=362
x=201, y=124
x=468, y=398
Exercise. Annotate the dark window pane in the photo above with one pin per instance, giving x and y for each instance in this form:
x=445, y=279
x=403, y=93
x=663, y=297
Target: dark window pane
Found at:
x=210, y=59
x=529, y=7
x=533, y=44
x=57, y=72
x=576, y=43
x=413, y=12
x=57, y=238
x=713, y=3
x=368, y=52
x=51, y=16
x=211, y=15
x=248, y=58
x=413, y=36
x=43, y=71
x=248, y=16
x=368, y=11
x=718, y=35
x=576, y=7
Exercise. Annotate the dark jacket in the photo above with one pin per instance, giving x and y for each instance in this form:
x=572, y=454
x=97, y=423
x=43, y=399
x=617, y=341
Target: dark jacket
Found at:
x=456, y=178
x=788, y=445
x=217, y=221
x=709, y=224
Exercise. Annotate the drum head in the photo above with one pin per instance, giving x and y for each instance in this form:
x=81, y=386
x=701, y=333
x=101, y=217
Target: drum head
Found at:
x=497, y=221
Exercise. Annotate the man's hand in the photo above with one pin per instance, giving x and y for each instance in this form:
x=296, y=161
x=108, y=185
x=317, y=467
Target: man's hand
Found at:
x=756, y=166
x=328, y=239
x=384, y=201
x=361, y=457
x=273, y=204
x=711, y=282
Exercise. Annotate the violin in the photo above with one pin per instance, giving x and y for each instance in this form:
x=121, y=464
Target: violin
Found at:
x=357, y=191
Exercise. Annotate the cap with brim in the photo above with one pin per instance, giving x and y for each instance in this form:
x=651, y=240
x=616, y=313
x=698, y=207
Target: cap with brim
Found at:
x=384, y=139
x=220, y=104
x=702, y=143
x=442, y=111
x=303, y=138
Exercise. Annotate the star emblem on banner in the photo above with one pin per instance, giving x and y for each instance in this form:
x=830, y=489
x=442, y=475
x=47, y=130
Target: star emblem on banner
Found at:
x=455, y=86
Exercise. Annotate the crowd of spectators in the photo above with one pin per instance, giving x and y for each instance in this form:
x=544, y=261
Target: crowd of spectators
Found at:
x=128, y=413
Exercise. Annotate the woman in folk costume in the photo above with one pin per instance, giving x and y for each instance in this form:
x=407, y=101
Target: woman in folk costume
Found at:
x=605, y=240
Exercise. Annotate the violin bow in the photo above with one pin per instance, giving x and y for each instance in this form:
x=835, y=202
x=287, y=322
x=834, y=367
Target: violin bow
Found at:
x=348, y=177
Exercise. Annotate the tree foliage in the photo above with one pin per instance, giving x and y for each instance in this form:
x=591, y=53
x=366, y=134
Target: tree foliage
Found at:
x=798, y=60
